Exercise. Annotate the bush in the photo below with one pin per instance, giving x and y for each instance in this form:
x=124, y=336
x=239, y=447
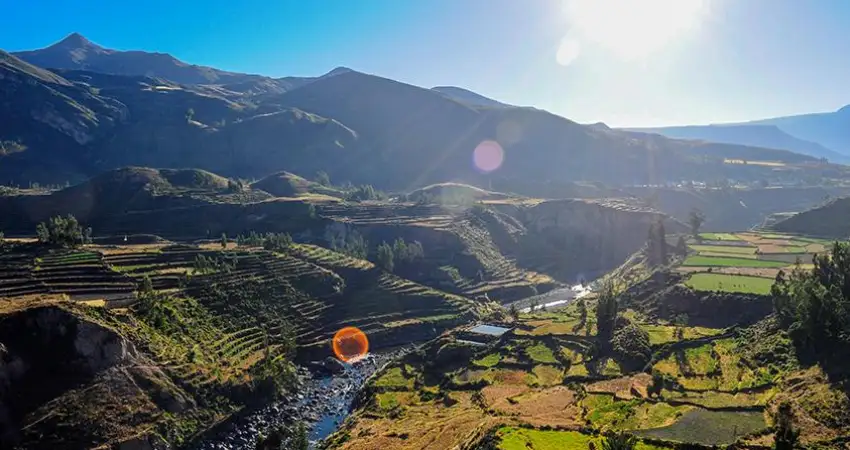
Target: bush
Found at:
x=62, y=232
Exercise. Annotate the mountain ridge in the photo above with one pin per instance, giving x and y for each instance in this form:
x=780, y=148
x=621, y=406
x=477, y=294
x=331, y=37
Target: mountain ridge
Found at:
x=750, y=134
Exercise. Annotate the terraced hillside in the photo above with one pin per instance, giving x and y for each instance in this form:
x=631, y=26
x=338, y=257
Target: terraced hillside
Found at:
x=212, y=330
x=545, y=385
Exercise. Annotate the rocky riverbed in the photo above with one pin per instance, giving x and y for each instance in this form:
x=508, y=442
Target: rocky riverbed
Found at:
x=322, y=401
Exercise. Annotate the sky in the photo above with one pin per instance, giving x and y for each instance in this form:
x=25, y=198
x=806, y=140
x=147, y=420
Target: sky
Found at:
x=623, y=62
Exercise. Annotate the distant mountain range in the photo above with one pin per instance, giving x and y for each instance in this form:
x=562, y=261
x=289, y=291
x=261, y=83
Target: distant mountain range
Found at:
x=97, y=109
x=822, y=135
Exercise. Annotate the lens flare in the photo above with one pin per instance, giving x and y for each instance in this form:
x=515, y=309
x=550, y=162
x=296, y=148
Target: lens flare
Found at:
x=488, y=156
x=350, y=344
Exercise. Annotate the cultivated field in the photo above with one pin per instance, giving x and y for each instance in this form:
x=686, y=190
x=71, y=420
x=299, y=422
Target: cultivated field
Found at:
x=745, y=262
x=543, y=386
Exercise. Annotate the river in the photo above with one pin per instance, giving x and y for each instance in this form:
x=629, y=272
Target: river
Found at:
x=323, y=401
x=555, y=298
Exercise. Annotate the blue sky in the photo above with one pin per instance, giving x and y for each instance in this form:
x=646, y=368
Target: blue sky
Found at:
x=667, y=62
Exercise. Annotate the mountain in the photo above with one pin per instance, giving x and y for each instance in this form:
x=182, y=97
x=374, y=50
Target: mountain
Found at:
x=830, y=129
x=47, y=122
x=356, y=127
x=468, y=97
x=768, y=136
x=77, y=52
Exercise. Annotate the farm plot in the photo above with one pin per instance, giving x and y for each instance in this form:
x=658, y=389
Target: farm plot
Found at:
x=714, y=261
x=719, y=236
x=701, y=426
x=513, y=438
x=729, y=283
x=747, y=250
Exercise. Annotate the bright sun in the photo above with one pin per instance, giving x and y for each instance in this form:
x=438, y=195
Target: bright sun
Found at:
x=632, y=29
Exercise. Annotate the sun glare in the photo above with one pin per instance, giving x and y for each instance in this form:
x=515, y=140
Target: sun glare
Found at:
x=631, y=29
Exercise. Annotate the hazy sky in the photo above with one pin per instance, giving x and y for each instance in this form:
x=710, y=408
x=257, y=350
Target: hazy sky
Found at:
x=624, y=62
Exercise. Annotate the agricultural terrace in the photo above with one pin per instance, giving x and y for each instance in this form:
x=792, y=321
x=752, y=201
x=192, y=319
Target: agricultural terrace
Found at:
x=546, y=386
x=745, y=262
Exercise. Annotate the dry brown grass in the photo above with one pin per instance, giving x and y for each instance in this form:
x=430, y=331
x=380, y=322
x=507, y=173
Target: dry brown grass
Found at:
x=555, y=406
x=13, y=304
x=124, y=249
x=427, y=426
x=623, y=388
x=815, y=403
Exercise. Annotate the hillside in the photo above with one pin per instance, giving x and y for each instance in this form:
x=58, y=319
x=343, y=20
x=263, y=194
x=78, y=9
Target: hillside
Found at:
x=41, y=109
x=735, y=209
x=147, y=368
x=765, y=136
x=828, y=220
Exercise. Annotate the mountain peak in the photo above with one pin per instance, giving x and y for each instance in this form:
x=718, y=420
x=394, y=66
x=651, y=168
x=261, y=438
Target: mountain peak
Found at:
x=74, y=40
x=337, y=71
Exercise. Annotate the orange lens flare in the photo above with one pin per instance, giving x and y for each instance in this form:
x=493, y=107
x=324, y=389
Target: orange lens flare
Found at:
x=350, y=344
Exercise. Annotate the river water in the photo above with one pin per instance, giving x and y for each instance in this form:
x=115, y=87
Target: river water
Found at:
x=323, y=401
x=556, y=298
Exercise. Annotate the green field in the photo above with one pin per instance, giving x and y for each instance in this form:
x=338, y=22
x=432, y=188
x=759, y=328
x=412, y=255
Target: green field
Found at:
x=729, y=283
x=724, y=249
x=524, y=439
x=712, y=261
x=719, y=236
x=706, y=427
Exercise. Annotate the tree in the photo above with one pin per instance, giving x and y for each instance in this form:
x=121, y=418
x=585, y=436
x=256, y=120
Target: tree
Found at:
x=785, y=436
x=42, y=233
x=532, y=305
x=385, y=257
x=145, y=287
x=630, y=343
x=87, y=235
x=682, y=247
x=657, y=385
x=619, y=441
x=2, y=238
x=323, y=178
x=513, y=311
x=61, y=231
x=223, y=240
x=657, y=244
x=814, y=305
x=277, y=242
x=695, y=220
x=581, y=306
x=606, y=314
